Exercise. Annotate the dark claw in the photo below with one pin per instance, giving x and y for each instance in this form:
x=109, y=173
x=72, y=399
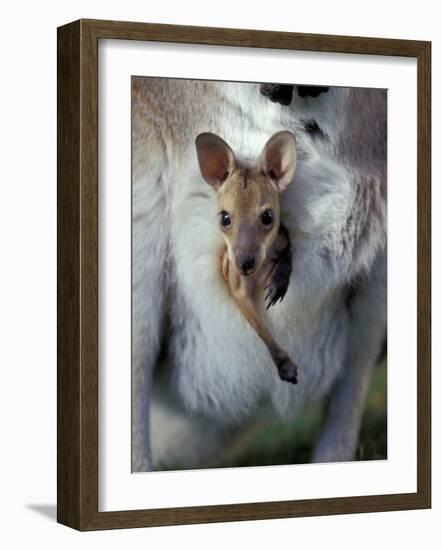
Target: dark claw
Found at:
x=288, y=371
x=279, y=281
x=275, y=292
x=278, y=93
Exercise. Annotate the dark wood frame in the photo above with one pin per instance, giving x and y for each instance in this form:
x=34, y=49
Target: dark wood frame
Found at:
x=77, y=409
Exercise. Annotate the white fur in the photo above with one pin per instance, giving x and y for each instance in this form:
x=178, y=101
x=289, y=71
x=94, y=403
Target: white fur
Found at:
x=335, y=212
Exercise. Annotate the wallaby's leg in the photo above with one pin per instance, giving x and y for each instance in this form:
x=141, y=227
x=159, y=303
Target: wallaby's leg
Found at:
x=243, y=294
x=287, y=370
x=340, y=434
x=149, y=251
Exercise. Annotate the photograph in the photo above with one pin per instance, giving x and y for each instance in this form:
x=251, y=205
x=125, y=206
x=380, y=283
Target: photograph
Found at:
x=259, y=274
x=218, y=263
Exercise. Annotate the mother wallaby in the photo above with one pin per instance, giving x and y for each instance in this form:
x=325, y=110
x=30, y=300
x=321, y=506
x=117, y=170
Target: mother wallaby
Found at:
x=333, y=317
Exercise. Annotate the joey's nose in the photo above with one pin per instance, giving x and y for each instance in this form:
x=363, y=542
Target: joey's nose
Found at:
x=248, y=264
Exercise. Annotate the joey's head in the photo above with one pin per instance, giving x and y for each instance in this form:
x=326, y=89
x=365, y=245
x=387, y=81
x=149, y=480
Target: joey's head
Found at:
x=248, y=196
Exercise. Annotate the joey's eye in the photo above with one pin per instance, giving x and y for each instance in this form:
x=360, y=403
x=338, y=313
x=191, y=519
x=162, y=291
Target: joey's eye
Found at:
x=224, y=219
x=267, y=217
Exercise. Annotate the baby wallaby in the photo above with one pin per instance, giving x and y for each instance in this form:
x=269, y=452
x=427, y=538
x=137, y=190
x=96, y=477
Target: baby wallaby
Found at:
x=256, y=254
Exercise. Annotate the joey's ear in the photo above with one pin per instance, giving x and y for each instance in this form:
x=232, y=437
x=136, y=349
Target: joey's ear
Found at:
x=278, y=159
x=215, y=157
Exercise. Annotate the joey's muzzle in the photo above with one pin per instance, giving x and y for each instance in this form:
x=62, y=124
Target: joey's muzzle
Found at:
x=246, y=261
x=247, y=265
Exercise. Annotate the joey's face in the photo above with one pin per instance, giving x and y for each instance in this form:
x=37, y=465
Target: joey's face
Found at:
x=248, y=197
x=249, y=217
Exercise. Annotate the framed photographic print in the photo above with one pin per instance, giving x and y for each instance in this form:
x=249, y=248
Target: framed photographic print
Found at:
x=243, y=275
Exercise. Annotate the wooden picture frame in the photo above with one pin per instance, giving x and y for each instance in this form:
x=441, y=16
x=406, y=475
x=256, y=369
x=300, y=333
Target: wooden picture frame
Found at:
x=77, y=462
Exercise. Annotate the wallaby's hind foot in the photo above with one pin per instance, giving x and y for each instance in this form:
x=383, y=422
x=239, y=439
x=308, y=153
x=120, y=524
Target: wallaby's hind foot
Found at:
x=278, y=284
x=288, y=371
x=279, y=279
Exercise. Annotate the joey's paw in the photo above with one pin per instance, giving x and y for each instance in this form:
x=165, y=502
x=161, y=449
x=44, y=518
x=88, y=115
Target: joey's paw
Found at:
x=278, y=282
x=288, y=371
x=276, y=290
